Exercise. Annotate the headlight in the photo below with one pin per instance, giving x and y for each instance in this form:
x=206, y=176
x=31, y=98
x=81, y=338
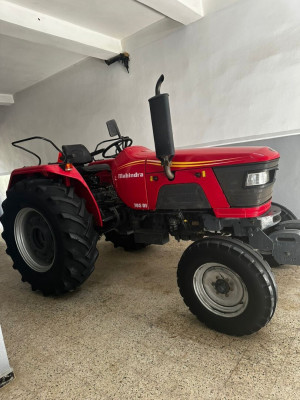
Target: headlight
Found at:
x=257, y=178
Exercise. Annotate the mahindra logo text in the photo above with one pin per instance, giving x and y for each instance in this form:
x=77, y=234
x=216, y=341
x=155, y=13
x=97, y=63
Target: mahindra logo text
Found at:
x=127, y=175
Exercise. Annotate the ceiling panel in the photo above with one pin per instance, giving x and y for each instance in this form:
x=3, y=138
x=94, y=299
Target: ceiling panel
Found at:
x=116, y=18
x=23, y=63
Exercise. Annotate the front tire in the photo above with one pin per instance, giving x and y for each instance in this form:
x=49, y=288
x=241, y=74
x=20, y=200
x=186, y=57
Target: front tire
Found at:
x=49, y=235
x=227, y=285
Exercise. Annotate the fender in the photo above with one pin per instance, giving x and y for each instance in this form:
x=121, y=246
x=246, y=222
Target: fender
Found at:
x=70, y=178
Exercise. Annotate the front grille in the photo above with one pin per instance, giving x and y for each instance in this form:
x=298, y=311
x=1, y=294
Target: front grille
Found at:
x=232, y=180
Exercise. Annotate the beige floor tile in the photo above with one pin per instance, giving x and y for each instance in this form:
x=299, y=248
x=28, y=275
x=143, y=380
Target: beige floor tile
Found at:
x=126, y=334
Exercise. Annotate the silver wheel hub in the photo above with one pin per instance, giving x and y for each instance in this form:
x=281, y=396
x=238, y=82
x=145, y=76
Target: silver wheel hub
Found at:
x=34, y=239
x=220, y=290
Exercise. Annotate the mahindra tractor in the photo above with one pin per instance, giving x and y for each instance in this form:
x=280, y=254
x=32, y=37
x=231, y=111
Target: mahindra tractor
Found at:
x=218, y=198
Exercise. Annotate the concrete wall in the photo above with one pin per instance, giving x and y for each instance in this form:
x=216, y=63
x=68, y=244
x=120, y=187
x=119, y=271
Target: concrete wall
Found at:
x=232, y=75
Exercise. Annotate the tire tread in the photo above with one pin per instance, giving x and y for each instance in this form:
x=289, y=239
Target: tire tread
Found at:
x=254, y=260
x=77, y=231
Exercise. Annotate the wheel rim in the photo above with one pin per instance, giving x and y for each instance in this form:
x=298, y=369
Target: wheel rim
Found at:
x=220, y=290
x=34, y=239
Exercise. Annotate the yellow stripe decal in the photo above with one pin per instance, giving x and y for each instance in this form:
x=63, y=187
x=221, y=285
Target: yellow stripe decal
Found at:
x=178, y=164
x=132, y=163
x=192, y=164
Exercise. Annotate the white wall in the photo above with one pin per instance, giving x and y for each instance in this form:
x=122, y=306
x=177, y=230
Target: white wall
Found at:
x=233, y=74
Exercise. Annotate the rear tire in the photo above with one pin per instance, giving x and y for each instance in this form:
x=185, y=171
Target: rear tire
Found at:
x=49, y=235
x=227, y=285
x=286, y=214
x=126, y=241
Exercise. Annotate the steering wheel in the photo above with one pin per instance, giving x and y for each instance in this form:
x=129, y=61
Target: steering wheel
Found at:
x=119, y=145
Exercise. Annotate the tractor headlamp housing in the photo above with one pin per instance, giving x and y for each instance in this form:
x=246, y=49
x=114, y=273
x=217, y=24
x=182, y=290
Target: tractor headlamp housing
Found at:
x=257, y=178
x=247, y=185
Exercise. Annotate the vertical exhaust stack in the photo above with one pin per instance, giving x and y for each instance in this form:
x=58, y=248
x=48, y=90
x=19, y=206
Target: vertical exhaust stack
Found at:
x=162, y=128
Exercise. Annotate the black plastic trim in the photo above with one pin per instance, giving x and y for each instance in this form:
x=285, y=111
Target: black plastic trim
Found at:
x=184, y=196
x=232, y=180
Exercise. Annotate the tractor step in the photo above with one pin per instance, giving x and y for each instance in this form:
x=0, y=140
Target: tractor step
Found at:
x=150, y=237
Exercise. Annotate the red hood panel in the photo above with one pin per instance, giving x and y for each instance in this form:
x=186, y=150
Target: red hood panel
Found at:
x=210, y=157
x=228, y=155
x=195, y=158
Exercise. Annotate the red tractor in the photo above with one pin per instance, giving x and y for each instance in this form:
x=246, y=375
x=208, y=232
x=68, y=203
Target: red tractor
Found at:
x=220, y=198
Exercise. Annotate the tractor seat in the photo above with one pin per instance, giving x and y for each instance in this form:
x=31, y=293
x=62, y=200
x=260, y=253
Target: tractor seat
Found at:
x=77, y=154
x=93, y=169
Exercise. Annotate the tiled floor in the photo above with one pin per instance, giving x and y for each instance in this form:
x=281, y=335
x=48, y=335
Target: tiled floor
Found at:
x=126, y=334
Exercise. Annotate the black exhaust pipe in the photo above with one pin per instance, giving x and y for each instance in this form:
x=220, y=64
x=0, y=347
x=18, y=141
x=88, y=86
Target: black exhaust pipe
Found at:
x=162, y=128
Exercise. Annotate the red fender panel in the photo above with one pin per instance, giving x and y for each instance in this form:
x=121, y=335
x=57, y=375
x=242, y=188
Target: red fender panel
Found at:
x=71, y=178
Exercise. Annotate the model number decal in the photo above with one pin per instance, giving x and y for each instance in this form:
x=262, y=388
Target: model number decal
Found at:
x=128, y=175
x=140, y=205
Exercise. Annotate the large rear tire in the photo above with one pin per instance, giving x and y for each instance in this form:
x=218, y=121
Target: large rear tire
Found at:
x=49, y=234
x=227, y=285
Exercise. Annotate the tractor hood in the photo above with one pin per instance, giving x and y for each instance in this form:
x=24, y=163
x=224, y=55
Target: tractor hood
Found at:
x=211, y=157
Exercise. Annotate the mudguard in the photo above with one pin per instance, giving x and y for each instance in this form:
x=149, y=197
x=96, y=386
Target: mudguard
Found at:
x=70, y=178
